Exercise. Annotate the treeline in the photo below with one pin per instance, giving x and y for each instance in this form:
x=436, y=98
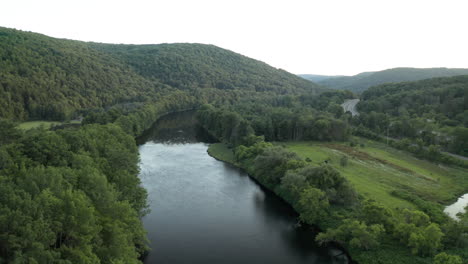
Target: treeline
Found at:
x=325, y=198
x=434, y=111
x=70, y=196
x=281, y=124
x=136, y=120
x=279, y=118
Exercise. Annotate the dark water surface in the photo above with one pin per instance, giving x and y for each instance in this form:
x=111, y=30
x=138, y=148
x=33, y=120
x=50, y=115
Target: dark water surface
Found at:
x=206, y=211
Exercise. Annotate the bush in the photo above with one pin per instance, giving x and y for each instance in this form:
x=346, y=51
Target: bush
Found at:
x=344, y=161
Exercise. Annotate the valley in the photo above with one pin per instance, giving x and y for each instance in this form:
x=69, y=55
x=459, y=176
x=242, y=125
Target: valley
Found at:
x=107, y=156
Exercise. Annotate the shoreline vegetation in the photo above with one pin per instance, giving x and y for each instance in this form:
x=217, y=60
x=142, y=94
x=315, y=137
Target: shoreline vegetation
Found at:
x=78, y=186
x=416, y=231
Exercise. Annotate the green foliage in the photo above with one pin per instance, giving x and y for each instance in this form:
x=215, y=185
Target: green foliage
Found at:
x=292, y=185
x=344, y=161
x=444, y=258
x=456, y=231
x=425, y=241
x=354, y=234
x=71, y=196
x=271, y=165
x=313, y=205
x=8, y=132
x=460, y=142
x=433, y=111
x=417, y=232
x=375, y=213
x=56, y=79
x=329, y=180
x=433, y=210
x=195, y=66
x=236, y=123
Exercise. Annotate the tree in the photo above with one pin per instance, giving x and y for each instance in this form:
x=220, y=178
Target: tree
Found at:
x=344, y=161
x=444, y=258
x=8, y=132
x=292, y=185
x=353, y=233
x=425, y=241
x=329, y=180
x=375, y=213
x=272, y=164
x=313, y=205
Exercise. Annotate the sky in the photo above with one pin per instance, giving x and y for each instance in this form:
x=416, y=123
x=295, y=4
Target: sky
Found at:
x=330, y=37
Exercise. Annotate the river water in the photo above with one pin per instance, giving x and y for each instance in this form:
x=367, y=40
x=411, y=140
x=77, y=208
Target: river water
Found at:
x=206, y=211
x=457, y=207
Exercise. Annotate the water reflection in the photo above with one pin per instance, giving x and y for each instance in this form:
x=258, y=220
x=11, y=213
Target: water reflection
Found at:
x=179, y=128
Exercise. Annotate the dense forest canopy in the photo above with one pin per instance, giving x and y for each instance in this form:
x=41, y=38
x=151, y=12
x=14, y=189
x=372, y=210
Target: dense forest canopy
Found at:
x=191, y=66
x=70, y=196
x=48, y=78
x=360, y=82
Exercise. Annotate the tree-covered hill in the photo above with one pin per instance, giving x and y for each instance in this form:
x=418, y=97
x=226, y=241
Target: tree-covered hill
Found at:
x=47, y=78
x=188, y=66
x=433, y=110
x=362, y=81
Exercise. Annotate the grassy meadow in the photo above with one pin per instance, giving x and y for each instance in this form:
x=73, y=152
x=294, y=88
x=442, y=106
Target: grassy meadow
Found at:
x=376, y=170
x=46, y=124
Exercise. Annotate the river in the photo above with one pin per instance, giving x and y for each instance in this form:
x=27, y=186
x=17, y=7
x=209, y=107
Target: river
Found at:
x=206, y=211
x=457, y=207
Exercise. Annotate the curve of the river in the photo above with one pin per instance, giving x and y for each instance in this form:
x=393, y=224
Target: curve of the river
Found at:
x=206, y=211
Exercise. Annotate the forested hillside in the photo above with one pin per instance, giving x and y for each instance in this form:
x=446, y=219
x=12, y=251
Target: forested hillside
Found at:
x=47, y=78
x=191, y=66
x=362, y=81
x=434, y=111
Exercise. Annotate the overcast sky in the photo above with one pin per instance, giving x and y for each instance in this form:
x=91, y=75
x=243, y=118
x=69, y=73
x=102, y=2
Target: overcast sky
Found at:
x=322, y=37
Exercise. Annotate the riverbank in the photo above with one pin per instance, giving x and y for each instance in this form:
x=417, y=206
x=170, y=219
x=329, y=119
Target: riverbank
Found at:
x=221, y=152
x=390, y=251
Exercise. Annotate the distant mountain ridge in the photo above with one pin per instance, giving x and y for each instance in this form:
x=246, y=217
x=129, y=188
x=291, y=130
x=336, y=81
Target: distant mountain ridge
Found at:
x=361, y=82
x=318, y=77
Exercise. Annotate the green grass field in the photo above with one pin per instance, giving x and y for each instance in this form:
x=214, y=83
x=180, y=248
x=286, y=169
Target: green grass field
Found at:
x=33, y=124
x=375, y=170
x=47, y=124
x=222, y=152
